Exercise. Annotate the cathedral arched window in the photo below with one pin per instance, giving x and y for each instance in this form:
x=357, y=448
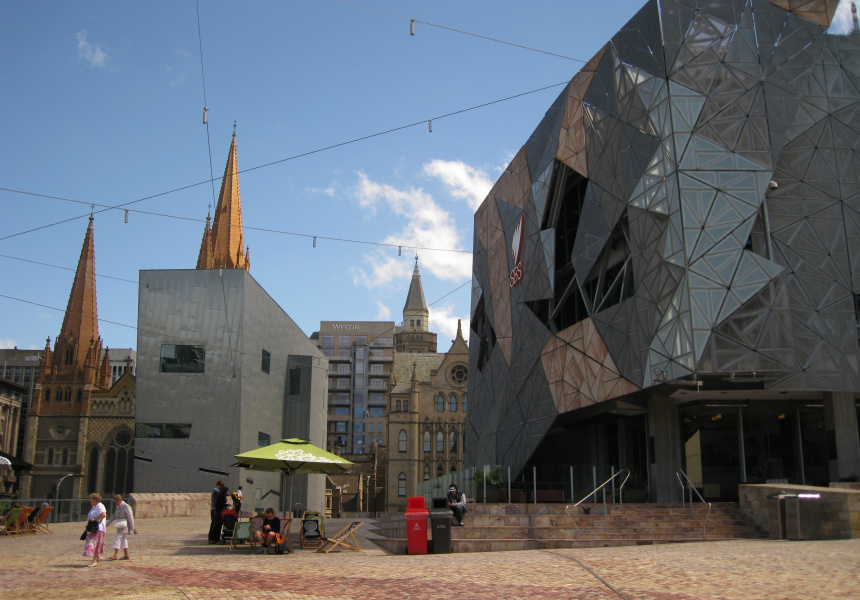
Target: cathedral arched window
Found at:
x=80, y=395
x=118, y=463
x=426, y=441
x=426, y=472
x=452, y=403
x=68, y=394
x=440, y=442
x=49, y=460
x=453, y=438
x=406, y=406
x=401, y=484
x=401, y=441
x=47, y=395
x=397, y=405
x=69, y=356
x=64, y=456
x=440, y=403
x=439, y=470
x=464, y=402
x=92, y=470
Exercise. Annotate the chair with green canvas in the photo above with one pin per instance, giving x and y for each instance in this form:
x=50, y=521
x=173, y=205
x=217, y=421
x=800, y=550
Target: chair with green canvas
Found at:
x=243, y=533
x=11, y=517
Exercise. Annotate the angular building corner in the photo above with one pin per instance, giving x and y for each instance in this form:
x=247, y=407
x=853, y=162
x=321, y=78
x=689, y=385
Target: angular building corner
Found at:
x=667, y=274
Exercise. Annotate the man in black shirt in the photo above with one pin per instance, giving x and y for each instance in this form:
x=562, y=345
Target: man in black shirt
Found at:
x=269, y=531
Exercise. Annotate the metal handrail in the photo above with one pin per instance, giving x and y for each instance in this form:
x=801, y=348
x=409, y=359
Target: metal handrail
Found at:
x=690, y=485
x=601, y=487
x=621, y=489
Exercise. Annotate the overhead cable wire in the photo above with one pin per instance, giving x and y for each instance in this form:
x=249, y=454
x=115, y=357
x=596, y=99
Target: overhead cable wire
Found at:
x=205, y=103
x=182, y=339
x=477, y=35
x=250, y=227
x=422, y=123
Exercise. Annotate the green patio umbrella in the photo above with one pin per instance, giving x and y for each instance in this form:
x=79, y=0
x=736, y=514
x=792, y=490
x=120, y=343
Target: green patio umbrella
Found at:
x=292, y=456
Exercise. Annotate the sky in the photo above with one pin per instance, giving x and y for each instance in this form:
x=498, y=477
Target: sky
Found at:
x=102, y=105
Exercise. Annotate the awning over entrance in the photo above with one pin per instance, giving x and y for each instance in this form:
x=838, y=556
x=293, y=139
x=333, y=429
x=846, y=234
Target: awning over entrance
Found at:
x=15, y=463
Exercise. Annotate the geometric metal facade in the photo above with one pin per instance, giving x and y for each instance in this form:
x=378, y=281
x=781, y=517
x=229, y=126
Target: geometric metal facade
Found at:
x=689, y=204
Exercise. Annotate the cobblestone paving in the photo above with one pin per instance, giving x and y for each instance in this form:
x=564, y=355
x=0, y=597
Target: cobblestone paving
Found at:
x=172, y=560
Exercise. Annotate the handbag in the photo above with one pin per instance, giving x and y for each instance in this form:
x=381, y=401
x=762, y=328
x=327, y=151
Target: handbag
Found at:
x=92, y=526
x=120, y=523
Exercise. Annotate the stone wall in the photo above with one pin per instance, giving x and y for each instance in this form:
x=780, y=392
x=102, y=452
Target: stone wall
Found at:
x=840, y=512
x=170, y=505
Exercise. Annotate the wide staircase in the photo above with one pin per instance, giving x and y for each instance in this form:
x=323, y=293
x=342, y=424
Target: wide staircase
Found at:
x=499, y=527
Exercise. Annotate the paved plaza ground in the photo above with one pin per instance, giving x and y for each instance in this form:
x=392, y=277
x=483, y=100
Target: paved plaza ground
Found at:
x=171, y=559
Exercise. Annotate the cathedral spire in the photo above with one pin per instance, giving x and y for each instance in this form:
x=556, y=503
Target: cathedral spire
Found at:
x=226, y=241
x=80, y=328
x=416, y=315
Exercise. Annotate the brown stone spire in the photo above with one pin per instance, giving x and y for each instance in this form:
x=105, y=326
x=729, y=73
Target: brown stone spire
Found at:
x=79, y=335
x=226, y=238
x=204, y=259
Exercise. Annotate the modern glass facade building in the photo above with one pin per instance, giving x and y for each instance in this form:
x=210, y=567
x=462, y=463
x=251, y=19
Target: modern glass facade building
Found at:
x=667, y=274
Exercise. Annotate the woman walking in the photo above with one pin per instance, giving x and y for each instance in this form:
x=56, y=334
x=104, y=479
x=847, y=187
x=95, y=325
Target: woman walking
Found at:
x=123, y=519
x=95, y=544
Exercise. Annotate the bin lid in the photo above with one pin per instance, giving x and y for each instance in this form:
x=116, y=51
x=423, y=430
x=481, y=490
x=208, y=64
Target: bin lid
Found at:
x=416, y=504
x=439, y=504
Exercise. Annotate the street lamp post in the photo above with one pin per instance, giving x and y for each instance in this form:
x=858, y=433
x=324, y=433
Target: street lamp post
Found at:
x=57, y=496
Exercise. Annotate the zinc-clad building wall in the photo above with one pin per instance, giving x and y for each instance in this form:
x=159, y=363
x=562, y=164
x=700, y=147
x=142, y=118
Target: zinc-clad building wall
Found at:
x=191, y=420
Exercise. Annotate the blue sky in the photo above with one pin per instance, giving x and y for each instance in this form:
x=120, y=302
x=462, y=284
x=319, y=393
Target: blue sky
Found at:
x=102, y=103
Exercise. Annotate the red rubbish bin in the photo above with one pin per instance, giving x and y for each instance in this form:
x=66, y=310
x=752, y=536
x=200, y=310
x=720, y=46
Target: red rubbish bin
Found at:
x=416, y=525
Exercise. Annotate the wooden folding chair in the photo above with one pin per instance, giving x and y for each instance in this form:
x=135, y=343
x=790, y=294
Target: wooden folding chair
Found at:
x=41, y=521
x=243, y=533
x=340, y=539
x=11, y=517
x=19, y=525
x=285, y=533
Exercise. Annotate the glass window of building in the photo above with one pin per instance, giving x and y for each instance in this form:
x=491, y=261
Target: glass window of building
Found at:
x=397, y=405
x=360, y=353
x=406, y=405
x=343, y=352
x=359, y=440
x=344, y=341
x=375, y=412
x=163, y=430
x=343, y=397
x=426, y=472
x=453, y=447
x=401, y=484
x=370, y=428
x=358, y=396
x=426, y=441
x=361, y=340
x=452, y=403
x=340, y=426
x=359, y=368
x=379, y=439
x=440, y=441
x=263, y=439
x=401, y=441
x=377, y=398
x=343, y=368
x=376, y=369
x=464, y=402
x=358, y=427
x=440, y=403
x=342, y=411
x=326, y=342
x=182, y=359
x=360, y=382
x=295, y=382
x=266, y=362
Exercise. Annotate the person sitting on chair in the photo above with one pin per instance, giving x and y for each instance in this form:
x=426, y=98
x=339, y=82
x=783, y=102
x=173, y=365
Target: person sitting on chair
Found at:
x=270, y=529
x=457, y=502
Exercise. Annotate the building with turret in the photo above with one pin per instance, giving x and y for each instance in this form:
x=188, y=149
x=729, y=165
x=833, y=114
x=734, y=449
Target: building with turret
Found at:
x=79, y=424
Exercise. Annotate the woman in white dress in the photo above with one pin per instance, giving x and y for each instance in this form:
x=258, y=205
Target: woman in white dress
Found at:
x=95, y=544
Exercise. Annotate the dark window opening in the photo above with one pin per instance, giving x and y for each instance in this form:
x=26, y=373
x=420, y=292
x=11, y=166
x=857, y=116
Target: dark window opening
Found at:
x=182, y=359
x=295, y=382
x=263, y=439
x=266, y=363
x=163, y=430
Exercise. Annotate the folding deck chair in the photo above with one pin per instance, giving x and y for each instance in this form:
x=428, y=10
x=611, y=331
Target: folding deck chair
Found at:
x=19, y=525
x=243, y=533
x=342, y=537
x=313, y=530
x=40, y=523
x=11, y=517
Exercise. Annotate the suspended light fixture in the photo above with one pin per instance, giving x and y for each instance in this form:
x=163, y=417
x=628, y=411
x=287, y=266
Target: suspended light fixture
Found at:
x=205, y=115
x=126, y=215
x=430, y=123
x=315, y=241
x=411, y=26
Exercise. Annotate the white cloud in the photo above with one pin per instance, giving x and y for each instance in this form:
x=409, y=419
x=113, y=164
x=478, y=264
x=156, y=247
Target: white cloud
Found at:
x=465, y=182
x=427, y=226
x=444, y=321
x=329, y=191
x=384, y=313
x=8, y=343
x=843, y=22
x=92, y=54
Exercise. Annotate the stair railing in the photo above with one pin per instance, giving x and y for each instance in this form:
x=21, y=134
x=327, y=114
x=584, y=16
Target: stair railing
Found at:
x=621, y=489
x=679, y=473
x=602, y=486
